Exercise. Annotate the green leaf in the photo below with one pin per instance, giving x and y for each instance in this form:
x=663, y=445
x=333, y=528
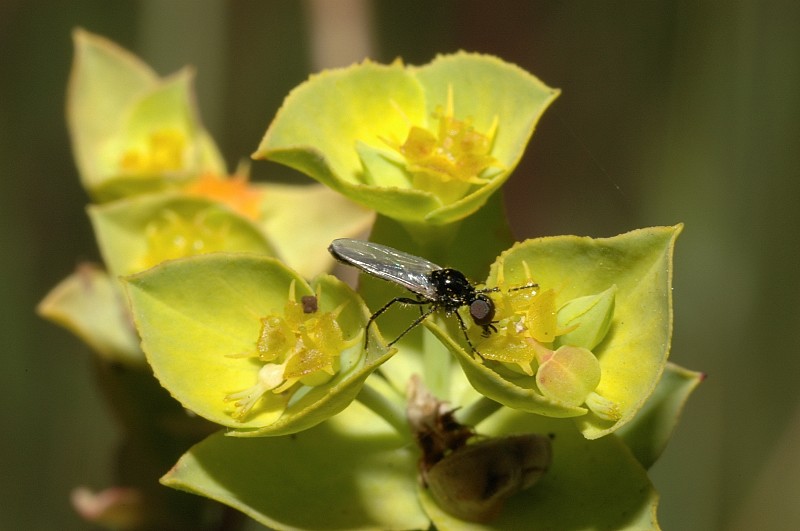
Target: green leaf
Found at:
x=590, y=485
x=322, y=214
x=104, y=79
x=351, y=472
x=140, y=232
x=333, y=110
x=648, y=433
x=200, y=323
x=346, y=129
x=89, y=304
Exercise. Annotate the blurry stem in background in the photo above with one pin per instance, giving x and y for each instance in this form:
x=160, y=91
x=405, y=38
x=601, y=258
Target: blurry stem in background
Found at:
x=477, y=411
x=167, y=50
x=340, y=33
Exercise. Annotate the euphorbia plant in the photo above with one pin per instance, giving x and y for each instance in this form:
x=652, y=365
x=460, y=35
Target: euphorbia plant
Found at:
x=548, y=417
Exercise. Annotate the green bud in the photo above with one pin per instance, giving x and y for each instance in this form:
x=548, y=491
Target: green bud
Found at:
x=587, y=319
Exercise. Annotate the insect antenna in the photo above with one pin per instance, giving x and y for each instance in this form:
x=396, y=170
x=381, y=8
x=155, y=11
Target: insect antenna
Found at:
x=529, y=285
x=496, y=289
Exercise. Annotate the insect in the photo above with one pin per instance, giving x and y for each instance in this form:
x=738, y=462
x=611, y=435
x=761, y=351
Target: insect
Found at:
x=310, y=303
x=438, y=287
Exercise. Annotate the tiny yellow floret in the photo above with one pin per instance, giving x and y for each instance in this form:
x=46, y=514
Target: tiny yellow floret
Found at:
x=527, y=326
x=177, y=236
x=164, y=150
x=234, y=191
x=450, y=160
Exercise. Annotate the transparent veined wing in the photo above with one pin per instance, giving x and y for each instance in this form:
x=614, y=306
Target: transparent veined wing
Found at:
x=411, y=272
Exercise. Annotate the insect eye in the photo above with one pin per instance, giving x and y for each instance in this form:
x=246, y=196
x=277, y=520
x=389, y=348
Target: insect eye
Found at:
x=482, y=310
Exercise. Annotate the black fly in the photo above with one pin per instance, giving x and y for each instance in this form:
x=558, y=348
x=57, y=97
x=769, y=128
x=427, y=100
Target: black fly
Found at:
x=438, y=287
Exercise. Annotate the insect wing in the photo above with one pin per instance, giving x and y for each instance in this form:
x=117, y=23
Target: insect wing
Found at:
x=411, y=272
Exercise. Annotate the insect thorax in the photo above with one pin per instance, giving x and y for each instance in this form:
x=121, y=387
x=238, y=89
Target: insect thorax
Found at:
x=452, y=288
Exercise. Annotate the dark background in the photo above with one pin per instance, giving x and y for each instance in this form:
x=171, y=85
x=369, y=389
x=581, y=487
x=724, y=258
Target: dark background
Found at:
x=671, y=111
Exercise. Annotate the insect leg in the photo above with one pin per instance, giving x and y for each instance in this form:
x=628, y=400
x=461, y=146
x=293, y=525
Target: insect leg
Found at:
x=489, y=329
x=466, y=336
x=416, y=322
x=403, y=300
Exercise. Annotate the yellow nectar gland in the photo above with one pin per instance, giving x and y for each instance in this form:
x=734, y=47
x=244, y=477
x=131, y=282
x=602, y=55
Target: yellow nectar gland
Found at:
x=163, y=150
x=236, y=192
x=525, y=318
x=448, y=161
x=176, y=236
x=297, y=349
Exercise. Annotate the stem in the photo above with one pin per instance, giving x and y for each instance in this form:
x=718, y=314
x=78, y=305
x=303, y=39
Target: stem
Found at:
x=432, y=241
x=437, y=362
x=380, y=402
x=478, y=411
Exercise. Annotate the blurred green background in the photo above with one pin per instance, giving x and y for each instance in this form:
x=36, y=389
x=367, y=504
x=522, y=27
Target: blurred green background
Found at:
x=671, y=112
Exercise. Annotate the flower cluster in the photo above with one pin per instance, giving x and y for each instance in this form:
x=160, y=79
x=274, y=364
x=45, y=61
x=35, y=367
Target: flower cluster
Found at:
x=300, y=346
x=226, y=285
x=541, y=342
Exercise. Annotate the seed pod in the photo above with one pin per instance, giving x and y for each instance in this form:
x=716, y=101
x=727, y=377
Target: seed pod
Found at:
x=474, y=481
